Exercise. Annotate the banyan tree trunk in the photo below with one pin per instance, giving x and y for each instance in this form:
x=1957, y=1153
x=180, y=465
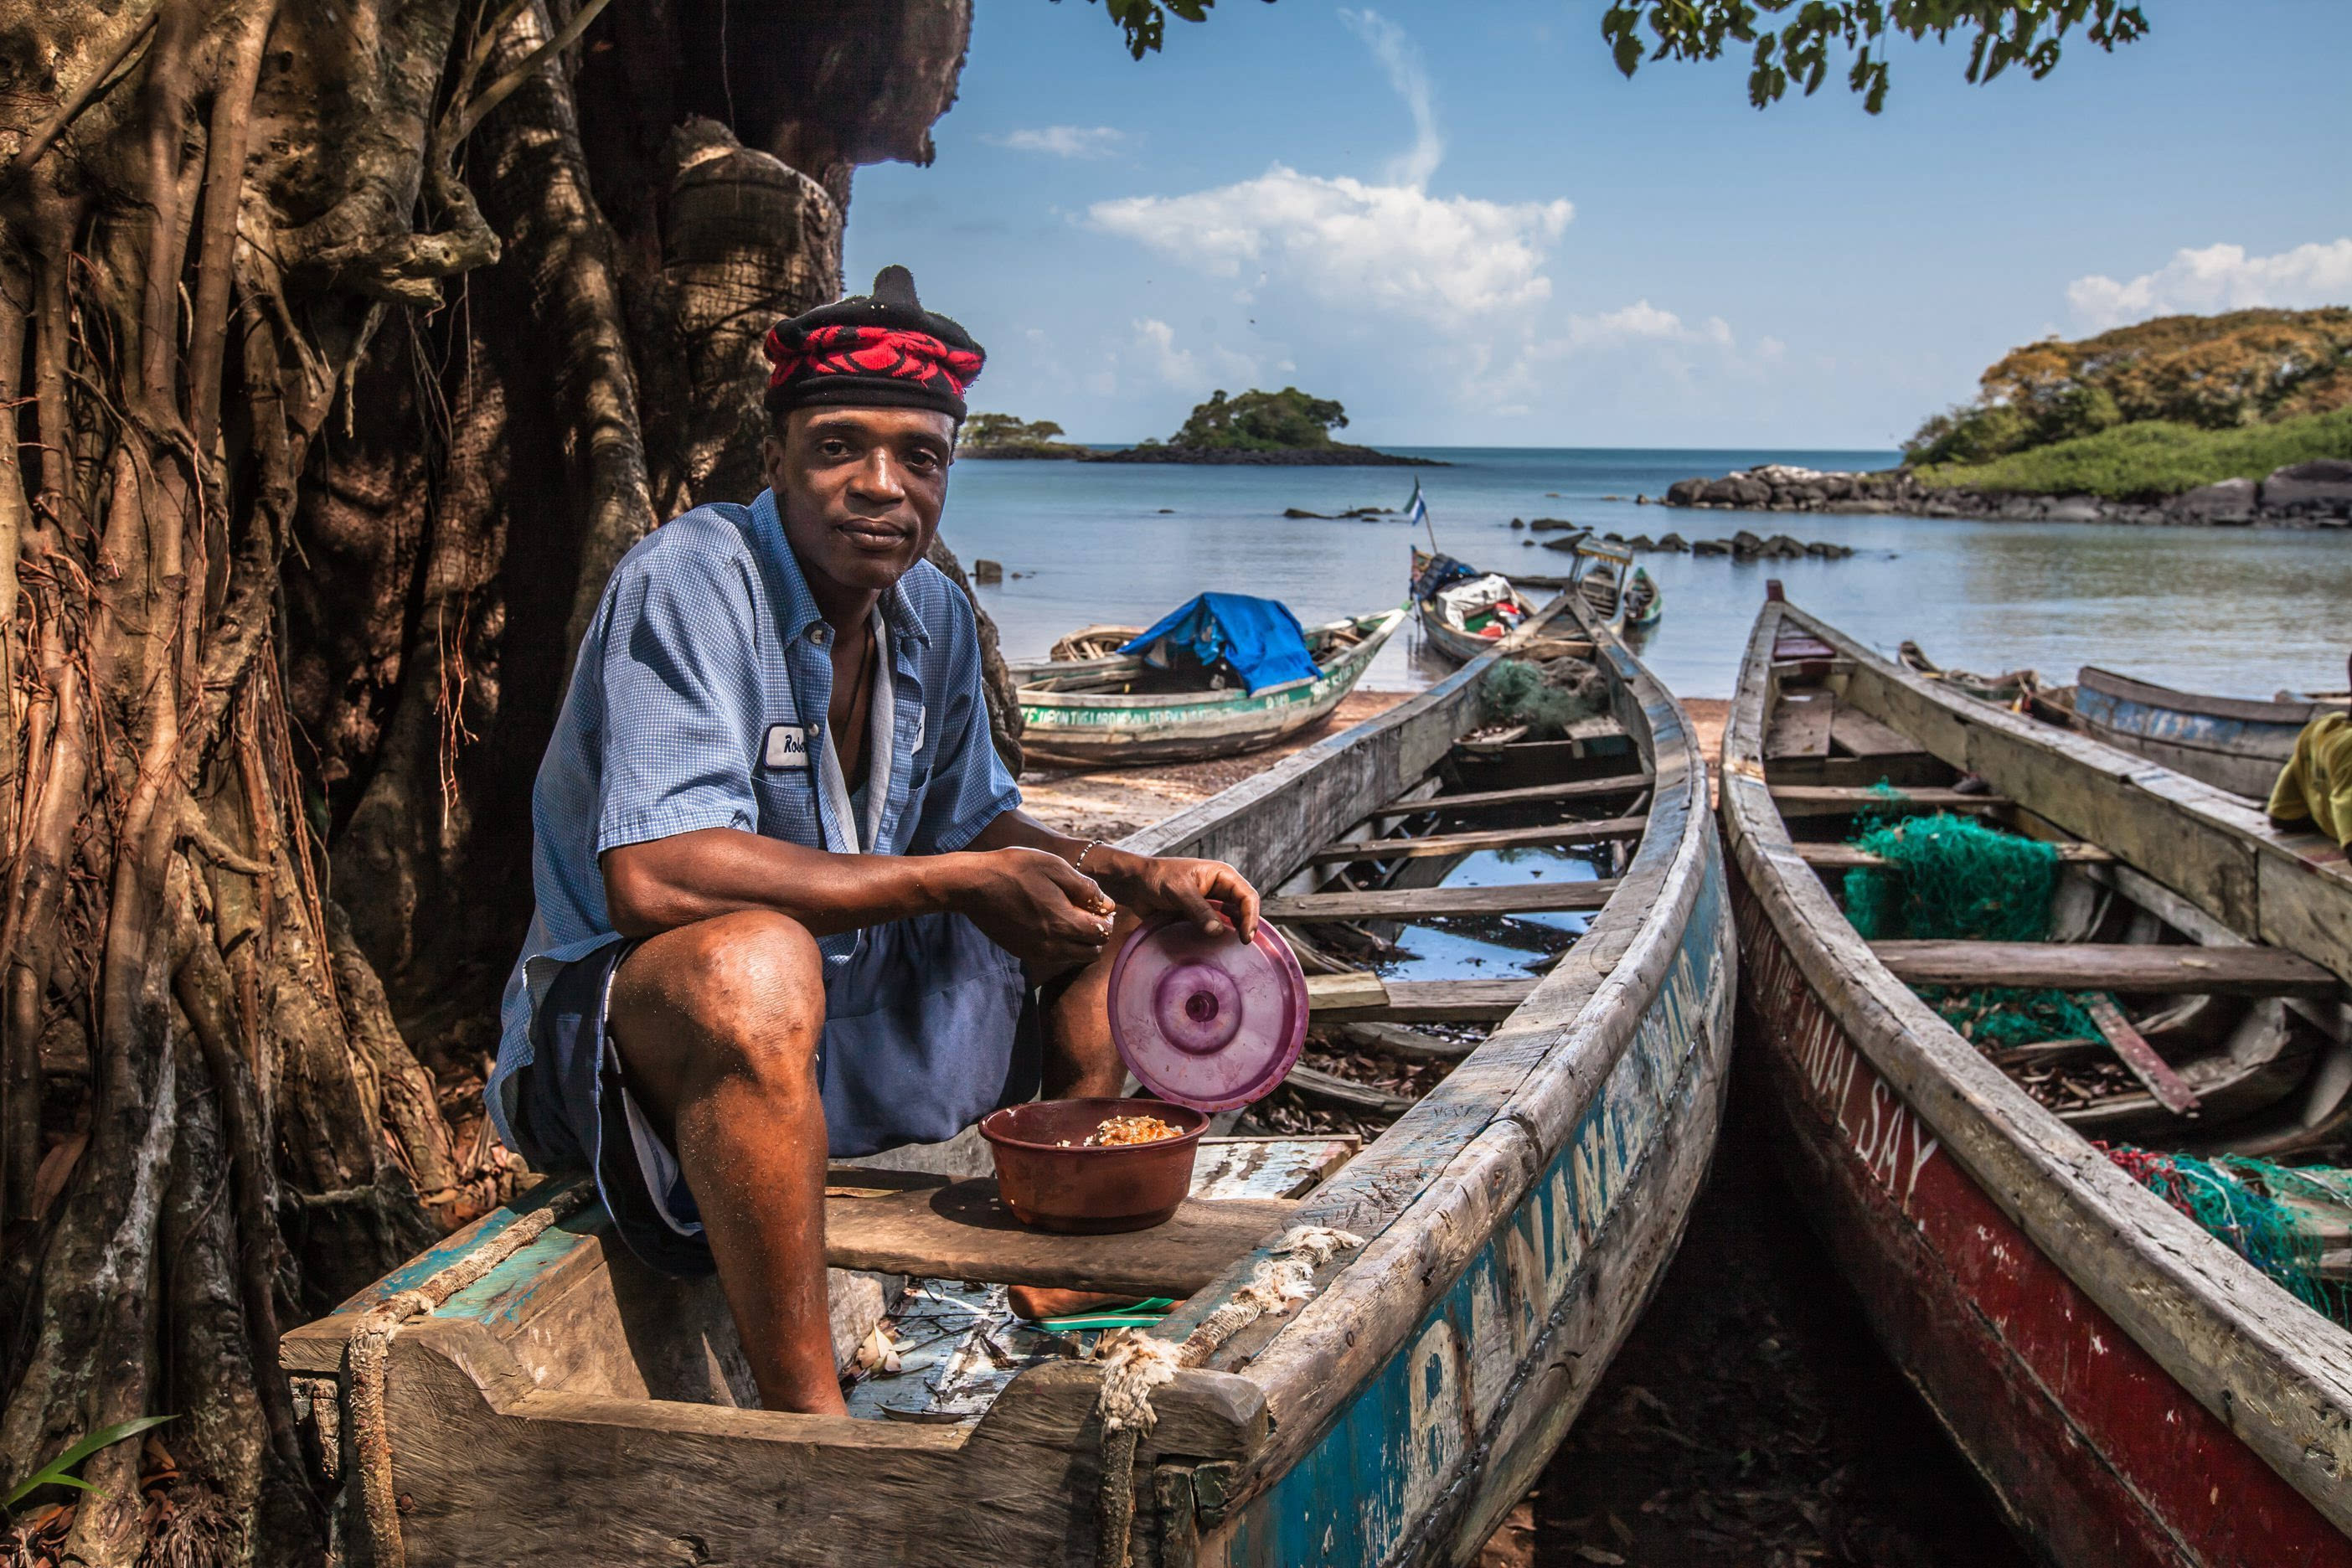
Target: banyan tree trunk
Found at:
x=343, y=349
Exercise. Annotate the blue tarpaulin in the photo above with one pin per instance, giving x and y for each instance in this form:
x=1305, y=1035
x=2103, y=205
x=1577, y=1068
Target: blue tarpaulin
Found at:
x=1259, y=637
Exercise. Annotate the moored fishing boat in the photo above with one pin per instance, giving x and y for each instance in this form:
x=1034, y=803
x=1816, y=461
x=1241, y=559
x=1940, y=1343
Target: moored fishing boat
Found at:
x=1645, y=603
x=1115, y=709
x=2132, y=1390
x=526, y=1390
x=2234, y=744
x=1463, y=613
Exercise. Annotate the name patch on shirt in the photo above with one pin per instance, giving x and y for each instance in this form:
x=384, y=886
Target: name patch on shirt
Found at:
x=787, y=747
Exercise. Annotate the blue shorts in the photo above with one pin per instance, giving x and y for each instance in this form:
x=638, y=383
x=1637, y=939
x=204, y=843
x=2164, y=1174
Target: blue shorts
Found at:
x=929, y=1028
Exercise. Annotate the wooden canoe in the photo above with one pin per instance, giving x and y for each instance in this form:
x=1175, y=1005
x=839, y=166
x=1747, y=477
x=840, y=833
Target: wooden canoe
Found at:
x=1451, y=641
x=2234, y=744
x=1084, y=714
x=2131, y=1390
x=563, y=1406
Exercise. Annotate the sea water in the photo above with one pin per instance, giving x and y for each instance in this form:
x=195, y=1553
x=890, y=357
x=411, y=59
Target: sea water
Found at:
x=2237, y=611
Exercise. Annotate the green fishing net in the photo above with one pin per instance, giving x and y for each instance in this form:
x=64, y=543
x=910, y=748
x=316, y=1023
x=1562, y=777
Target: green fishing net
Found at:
x=2253, y=1207
x=1954, y=879
x=1547, y=697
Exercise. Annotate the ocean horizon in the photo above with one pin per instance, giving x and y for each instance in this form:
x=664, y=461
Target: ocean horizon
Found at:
x=2240, y=611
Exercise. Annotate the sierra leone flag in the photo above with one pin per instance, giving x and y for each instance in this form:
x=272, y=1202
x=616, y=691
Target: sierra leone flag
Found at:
x=1417, y=510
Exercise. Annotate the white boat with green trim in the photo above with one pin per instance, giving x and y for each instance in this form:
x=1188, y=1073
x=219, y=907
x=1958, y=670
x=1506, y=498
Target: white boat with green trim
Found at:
x=1097, y=711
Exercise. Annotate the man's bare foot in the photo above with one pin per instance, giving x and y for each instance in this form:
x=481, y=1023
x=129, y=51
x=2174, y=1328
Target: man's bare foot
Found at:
x=1037, y=1301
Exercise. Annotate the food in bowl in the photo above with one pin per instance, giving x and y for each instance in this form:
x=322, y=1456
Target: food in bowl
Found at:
x=1119, y=1131
x=1052, y=1176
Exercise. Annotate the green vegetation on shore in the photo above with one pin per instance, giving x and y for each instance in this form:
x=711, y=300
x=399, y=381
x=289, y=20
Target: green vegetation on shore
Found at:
x=1002, y=436
x=1285, y=421
x=2150, y=458
x=2153, y=409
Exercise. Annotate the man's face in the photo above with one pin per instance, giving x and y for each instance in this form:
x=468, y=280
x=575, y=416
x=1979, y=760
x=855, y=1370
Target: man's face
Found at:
x=860, y=489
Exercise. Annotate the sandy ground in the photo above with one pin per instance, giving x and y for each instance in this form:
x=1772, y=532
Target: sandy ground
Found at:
x=1111, y=803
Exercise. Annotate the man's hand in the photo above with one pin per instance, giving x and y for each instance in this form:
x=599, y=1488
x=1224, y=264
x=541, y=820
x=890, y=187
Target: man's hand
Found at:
x=1032, y=905
x=1209, y=893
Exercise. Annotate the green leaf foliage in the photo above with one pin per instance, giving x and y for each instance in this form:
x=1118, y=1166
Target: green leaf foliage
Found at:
x=1799, y=50
x=2215, y=372
x=2151, y=458
x=54, y=1472
x=1262, y=421
x=1002, y=436
x=1145, y=22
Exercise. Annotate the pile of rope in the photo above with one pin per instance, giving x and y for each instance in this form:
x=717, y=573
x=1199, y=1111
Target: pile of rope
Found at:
x=1949, y=877
x=1546, y=697
x=1135, y=1362
x=2236, y=1199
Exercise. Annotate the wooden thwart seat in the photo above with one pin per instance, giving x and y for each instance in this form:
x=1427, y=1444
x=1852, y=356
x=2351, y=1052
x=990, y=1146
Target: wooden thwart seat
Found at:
x=892, y=1222
x=1630, y=782
x=1845, y=857
x=1365, y=998
x=1558, y=835
x=1840, y=800
x=1422, y=903
x=2103, y=966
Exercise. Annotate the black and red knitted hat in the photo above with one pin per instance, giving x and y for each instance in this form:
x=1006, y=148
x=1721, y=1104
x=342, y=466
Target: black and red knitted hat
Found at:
x=881, y=350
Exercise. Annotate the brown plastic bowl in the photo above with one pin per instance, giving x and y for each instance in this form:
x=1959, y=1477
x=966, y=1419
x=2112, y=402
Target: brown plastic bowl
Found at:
x=1090, y=1192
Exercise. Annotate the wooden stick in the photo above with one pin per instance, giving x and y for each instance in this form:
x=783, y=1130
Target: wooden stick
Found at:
x=2140, y=1057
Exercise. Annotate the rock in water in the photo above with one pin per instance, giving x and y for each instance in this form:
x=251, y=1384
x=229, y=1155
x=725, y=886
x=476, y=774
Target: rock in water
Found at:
x=2323, y=485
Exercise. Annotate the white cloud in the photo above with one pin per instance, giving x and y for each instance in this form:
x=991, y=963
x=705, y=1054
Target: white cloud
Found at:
x=1155, y=345
x=1401, y=57
x=2218, y=277
x=1375, y=247
x=1639, y=320
x=1063, y=140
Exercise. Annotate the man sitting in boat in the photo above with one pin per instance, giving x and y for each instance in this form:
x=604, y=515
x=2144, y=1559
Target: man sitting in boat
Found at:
x=789, y=906
x=2315, y=789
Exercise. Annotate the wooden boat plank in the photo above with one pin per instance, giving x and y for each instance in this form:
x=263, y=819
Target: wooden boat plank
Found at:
x=1559, y=835
x=1837, y=800
x=1800, y=726
x=1846, y=856
x=2154, y=1073
x=1425, y=903
x=1227, y=1169
x=1409, y=1045
x=1329, y=1088
x=2075, y=1247
x=1413, y=1001
x=1862, y=736
x=2106, y=966
x=962, y=1230
x=1630, y=782
x=2147, y=694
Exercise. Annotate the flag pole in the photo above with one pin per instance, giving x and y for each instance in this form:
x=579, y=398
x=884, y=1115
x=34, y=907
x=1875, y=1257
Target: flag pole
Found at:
x=1418, y=505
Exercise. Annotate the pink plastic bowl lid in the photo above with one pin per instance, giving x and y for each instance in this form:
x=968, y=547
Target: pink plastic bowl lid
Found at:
x=1207, y=1021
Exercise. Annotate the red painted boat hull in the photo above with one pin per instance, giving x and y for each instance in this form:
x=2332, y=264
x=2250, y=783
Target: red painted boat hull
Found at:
x=2098, y=1456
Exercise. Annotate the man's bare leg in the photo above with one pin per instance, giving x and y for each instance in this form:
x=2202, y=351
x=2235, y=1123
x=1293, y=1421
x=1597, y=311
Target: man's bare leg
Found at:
x=717, y=1025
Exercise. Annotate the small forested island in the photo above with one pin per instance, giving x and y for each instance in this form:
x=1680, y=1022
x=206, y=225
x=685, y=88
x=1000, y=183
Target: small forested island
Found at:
x=1272, y=428
x=1002, y=436
x=2233, y=418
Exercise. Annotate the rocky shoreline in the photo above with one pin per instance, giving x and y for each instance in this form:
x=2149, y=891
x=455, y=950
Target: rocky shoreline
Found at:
x=2316, y=494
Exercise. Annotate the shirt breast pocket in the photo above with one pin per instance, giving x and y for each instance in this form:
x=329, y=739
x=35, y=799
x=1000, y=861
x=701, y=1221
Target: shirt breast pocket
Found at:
x=787, y=798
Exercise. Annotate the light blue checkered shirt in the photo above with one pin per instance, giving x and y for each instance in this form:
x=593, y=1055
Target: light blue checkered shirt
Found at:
x=707, y=654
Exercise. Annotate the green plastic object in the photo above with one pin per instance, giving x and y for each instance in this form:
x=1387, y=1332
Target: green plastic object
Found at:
x=1140, y=1315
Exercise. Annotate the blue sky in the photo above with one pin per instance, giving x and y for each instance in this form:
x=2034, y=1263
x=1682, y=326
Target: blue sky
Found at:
x=1459, y=220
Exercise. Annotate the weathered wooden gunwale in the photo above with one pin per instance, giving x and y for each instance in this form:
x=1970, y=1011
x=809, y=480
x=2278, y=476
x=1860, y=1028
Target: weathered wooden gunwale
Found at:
x=2233, y=744
x=1516, y=1221
x=2132, y=1390
x=1091, y=728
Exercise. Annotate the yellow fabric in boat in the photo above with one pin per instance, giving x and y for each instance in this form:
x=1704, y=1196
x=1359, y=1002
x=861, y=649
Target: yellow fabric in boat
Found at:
x=2317, y=783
